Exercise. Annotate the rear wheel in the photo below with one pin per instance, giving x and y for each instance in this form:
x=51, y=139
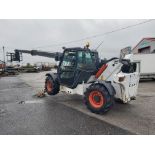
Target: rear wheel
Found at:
x=97, y=99
x=52, y=87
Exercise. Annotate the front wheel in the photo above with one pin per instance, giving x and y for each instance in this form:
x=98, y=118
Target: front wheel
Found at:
x=52, y=87
x=97, y=99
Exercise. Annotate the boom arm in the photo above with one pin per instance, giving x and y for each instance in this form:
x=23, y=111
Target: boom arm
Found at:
x=55, y=55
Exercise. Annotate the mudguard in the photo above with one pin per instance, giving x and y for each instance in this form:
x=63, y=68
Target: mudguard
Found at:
x=108, y=86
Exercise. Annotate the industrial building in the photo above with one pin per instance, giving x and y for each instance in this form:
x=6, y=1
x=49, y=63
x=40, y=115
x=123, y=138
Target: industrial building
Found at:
x=145, y=46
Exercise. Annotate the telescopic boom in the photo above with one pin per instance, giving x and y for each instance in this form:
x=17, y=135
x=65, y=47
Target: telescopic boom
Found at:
x=55, y=55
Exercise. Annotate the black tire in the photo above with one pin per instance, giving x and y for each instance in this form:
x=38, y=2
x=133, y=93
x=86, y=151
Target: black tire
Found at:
x=105, y=105
x=55, y=86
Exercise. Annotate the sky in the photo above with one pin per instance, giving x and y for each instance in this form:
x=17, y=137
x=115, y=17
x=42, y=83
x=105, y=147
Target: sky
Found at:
x=45, y=34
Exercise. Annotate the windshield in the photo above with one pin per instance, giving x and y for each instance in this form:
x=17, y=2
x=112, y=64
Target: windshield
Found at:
x=86, y=60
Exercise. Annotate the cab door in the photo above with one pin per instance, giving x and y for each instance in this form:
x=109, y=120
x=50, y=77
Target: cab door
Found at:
x=67, y=68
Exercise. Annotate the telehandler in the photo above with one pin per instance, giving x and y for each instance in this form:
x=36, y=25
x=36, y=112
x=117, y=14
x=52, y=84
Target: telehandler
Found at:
x=81, y=71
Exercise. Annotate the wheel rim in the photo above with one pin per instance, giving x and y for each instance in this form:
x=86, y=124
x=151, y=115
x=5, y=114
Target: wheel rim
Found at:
x=49, y=86
x=96, y=99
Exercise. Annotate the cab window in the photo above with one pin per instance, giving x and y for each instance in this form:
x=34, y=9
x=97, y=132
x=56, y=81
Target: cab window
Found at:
x=88, y=58
x=85, y=60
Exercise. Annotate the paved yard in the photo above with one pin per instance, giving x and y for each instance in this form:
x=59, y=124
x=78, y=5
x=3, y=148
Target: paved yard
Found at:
x=23, y=113
x=137, y=117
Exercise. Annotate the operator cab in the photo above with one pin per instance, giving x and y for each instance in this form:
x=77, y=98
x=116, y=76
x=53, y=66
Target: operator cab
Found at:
x=76, y=66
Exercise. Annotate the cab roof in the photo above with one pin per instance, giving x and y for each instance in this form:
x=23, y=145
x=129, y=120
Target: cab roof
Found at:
x=74, y=49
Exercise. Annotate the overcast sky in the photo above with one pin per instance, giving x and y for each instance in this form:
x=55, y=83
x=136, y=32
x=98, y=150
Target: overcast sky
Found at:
x=44, y=34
